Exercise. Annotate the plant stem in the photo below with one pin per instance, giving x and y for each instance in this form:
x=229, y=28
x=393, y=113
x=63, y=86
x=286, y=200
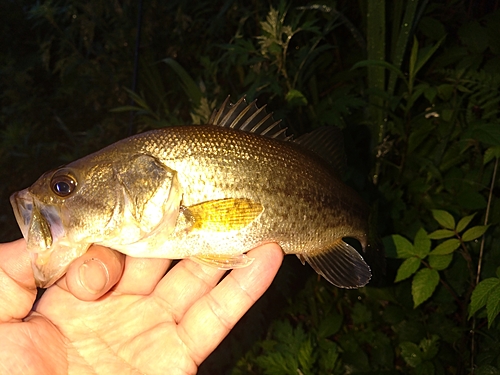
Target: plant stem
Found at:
x=376, y=74
x=479, y=265
x=481, y=250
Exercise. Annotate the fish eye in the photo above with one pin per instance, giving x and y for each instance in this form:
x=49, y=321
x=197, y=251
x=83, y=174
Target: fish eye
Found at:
x=62, y=183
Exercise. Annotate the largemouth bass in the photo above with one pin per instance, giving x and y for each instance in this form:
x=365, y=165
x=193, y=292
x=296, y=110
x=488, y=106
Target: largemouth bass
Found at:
x=205, y=192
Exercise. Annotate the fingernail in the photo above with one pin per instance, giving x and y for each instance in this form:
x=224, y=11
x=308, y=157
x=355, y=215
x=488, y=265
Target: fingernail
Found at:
x=94, y=275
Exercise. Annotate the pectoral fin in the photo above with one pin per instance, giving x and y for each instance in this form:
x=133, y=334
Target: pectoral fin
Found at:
x=224, y=262
x=224, y=214
x=342, y=266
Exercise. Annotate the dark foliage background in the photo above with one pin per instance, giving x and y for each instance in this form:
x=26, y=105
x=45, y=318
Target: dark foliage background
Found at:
x=414, y=86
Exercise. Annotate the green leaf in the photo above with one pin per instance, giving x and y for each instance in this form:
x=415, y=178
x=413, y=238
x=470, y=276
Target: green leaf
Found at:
x=188, y=84
x=296, y=98
x=330, y=325
x=361, y=314
x=462, y=224
x=481, y=293
x=445, y=91
x=402, y=41
x=493, y=305
x=440, y=262
x=422, y=59
x=404, y=248
x=470, y=199
x=423, y=285
x=441, y=233
x=474, y=232
x=413, y=59
x=384, y=64
x=430, y=347
x=444, y=218
x=329, y=356
x=305, y=356
x=422, y=243
x=490, y=154
x=447, y=247
x=407, y=268
x=411, y=353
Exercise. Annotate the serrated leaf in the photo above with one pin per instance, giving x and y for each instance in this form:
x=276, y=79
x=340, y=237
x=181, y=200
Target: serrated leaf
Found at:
x=422, y=243
x=462, y=224
x=329, y=356
x=305, y=356
x=493, y=305
x=404, y=248
x=446, y=247
x=411, y=353
x=441, y=233
x=424, y=283
x=407, y=268
x=481, y=293
x=429, y=347
x=474, y=232
x=440, y=262
x=444, y=218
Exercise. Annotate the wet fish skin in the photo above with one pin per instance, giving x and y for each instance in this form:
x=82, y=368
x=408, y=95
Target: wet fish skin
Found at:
x=206, y=192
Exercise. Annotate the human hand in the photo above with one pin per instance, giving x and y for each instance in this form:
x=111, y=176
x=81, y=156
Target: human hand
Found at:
x=130, y=319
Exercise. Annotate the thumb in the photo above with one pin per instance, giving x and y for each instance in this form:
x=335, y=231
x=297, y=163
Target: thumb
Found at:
x=93, y=274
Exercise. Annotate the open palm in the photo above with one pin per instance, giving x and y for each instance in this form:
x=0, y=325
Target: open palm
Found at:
x=141, y=326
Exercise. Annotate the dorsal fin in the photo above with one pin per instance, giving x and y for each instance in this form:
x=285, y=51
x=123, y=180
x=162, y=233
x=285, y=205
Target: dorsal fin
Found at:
x=328, y=143
x=249, y=118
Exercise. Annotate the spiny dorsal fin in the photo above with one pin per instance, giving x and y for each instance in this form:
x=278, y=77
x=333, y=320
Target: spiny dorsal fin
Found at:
x=328, y=143
x=249, y=118
x=341, y=265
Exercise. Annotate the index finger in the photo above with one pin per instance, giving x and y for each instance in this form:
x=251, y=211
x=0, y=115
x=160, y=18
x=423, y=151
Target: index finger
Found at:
x=18, y=290
x=210, y=319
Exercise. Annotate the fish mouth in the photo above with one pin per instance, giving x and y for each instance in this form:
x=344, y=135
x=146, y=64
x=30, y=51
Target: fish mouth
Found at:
x=50, y=251
x=22, y=204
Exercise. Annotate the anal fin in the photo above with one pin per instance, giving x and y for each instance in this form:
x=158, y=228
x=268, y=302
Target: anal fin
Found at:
x=224, y=262
x=341, y=265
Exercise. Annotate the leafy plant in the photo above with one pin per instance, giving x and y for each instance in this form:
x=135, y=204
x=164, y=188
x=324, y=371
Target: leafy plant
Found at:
x=433, y=260
x=487, y=293
x=414, y=86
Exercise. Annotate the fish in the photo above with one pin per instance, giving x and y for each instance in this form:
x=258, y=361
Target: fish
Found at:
x=205, y=192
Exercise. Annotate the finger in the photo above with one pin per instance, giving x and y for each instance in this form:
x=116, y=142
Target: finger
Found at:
x=210, y=319
x=18, y=290
x=141, y=275
x=184, y=284
x=94, y=273
x=16, y=263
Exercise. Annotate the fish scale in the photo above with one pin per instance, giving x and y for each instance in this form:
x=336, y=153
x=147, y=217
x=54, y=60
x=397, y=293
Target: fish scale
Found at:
x=207, y=192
